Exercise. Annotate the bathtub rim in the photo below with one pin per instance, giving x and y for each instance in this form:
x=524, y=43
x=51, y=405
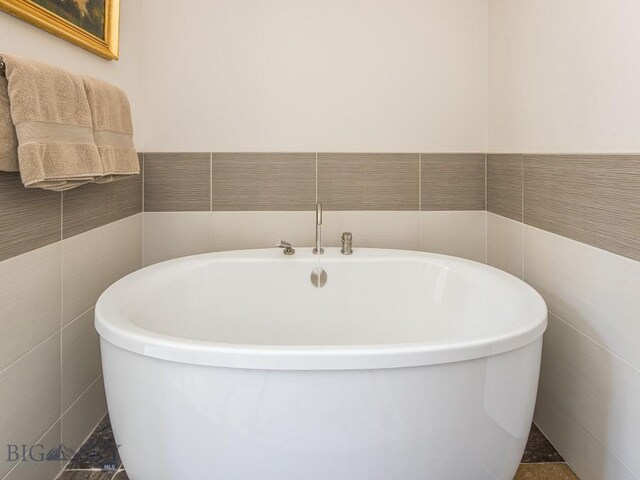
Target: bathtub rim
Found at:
x=121, y=332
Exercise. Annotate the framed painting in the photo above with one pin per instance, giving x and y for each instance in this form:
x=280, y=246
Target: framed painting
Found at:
x=90, y=24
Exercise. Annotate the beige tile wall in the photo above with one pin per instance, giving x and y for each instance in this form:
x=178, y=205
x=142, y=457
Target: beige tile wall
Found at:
x=452, y=182
x=368, y=181
x=263, y=181
x=30, y=218
x=578, y=246
x=58, y=252
x=566, y=224
x=594, y=199
x=504, y=185
x=397, y=200
x=295, y=181
x=177, y=182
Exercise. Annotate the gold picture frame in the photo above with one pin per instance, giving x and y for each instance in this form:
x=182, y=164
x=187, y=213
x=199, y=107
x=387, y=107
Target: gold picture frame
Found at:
x=42, y=17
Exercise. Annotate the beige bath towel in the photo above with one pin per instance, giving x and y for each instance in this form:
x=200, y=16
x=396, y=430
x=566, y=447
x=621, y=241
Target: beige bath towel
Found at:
x=112, y=129
x=50, y=111
x=8, y=139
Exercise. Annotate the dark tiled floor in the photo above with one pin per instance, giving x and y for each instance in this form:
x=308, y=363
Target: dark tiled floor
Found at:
x=539, y=449
x=99, y=451
x=545, y=471
x=87, y=475
x=98, y=459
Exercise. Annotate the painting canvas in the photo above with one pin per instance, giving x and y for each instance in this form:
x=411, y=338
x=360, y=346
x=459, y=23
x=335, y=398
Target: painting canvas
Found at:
x=91, y=24
x=86, y=14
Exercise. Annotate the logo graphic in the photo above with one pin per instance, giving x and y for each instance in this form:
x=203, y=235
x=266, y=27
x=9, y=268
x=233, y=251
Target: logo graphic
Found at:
x=59, y=453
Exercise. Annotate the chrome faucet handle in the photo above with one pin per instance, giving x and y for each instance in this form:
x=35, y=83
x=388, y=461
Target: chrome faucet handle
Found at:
x=347, y=242
x=318, y=250
x=287, y=249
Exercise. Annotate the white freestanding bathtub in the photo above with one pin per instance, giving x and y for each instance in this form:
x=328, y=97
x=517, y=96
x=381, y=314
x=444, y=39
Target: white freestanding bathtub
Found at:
x=404, y=366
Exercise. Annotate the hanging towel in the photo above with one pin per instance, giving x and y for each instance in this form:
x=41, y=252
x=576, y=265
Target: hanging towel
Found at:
x=112, y=129
x=8, y=139
x=52, y=119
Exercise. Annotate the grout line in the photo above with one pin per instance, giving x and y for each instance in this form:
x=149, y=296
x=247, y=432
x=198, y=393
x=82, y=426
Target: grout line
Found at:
x=142, y=215
x=211, y=243
x=554, y=234
x=563, y=453
x=604, y=347
x=36, y=442
x=420, y=182
x=64, y=469
x=583, y=244
x=523, y=229
x=486, y=205
x=62, y=243
x=316, y=177
x=77, y=318
x=522, y=213
x=420, y=201
x=486, y=181
x=80, y=396
x=93, y=469
x=61, y=216
x=562, y=154
x=142, y=179
x=29, y=351
x=94, y=427
x=211, y=181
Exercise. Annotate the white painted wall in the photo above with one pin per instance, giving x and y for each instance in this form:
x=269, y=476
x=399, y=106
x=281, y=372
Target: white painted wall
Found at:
x=315, y=75
x=21, y=38
x=564, y=76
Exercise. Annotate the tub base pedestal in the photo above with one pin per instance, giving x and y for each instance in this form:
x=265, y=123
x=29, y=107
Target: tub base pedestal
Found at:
x=466, y=420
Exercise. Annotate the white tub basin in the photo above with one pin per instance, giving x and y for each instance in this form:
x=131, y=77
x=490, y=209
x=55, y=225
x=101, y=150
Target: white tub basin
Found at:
x=405, y=365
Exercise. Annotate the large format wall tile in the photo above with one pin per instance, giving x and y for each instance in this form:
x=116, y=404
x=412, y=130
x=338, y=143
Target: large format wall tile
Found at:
x=79, y=421
x=504, y=185
x=40, y=470
x=381, y=229
x=597, y=387
x=170, y=235
x=462, y=234
x=504, y=244
x=263, y=181
x=452, y=181
x=594, y=290
x=93, y=260
x=241, y=230
x=594, y=199
x=373, y=181
x=177, y=182
x=81, y=363
x=30, y=217
x=94, y=205
x=589, y=457
x=30, y=400
x=30, y=290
